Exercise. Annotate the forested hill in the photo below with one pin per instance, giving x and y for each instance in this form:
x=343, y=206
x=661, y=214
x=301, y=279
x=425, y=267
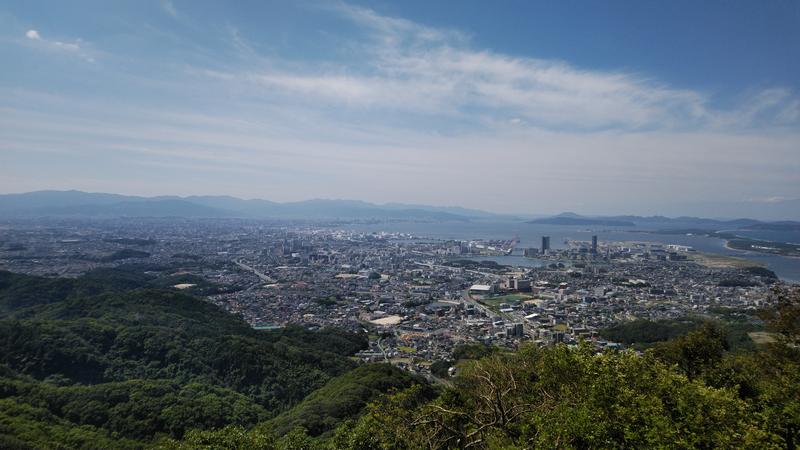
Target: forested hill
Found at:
x=104, y=361
x=98, y=362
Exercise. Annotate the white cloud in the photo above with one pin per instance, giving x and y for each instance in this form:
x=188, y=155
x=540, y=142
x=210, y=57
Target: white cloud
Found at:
x=169, y=8
x=772, y=104
x=74, y=48
x=405, y=66
x=771, y=199
x=614, y=172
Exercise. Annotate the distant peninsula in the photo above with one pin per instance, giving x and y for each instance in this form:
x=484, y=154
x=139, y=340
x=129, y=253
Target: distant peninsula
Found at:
x=574, y=219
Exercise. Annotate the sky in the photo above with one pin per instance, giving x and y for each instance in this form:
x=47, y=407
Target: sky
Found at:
x=597, y=107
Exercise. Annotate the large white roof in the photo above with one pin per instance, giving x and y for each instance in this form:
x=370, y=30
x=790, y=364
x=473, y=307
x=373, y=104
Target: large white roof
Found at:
x=480, y=287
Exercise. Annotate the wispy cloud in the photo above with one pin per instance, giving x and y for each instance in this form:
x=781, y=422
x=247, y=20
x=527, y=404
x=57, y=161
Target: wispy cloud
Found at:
x=393, y=31
x=168, y=7
x=769, y=106
x=401, y=65
x=618, y=167
x=74, y=48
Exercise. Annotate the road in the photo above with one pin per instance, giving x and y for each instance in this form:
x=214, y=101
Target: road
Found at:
x=265, y=278
x=380, y=347
x=469, y=301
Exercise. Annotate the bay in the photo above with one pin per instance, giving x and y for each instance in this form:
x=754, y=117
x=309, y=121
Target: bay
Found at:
x=530, y=235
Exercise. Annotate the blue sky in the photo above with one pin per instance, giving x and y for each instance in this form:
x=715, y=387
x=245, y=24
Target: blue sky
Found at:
x=595, y=107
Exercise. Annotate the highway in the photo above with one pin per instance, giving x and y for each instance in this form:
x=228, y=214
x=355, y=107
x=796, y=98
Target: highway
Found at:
x=265, y=278
x=469, y=301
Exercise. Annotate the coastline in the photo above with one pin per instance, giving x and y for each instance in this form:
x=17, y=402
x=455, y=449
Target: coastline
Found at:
x=718, y=261
x=779, y=252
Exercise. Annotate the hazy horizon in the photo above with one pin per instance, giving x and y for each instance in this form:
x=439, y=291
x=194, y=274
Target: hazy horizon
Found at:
x=521, y=108
x=778, y=213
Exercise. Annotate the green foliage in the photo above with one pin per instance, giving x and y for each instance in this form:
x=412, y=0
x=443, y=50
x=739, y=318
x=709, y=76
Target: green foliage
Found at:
x=564, y=398
x=26, y=426
x=87, y=356
x=472, y=351
x=738, y=282
x=774, y=247
x=389, y=424
x=238, y=438
x=647, y=331
x=343, y=398
x=165, y=334
x=462, y=352
x=641, y=334
x=230, y=437
x=695, y=352
x=440, y=368
x=18, y=292
x=137, y=409
x=761, y=272
x=784, y=318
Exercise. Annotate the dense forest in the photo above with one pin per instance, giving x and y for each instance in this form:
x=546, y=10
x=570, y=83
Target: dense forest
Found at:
x=114, y=360
x=109, y=358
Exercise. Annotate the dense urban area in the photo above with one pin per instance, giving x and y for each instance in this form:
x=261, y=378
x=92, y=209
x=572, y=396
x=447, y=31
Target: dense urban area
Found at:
x=418, y=298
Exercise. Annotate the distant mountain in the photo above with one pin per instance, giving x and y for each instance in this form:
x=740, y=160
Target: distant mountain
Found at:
x=666, y=223
x=574, y=219
x=40, y=200
x=141, y=208
x=687, y=222
x=766, y=210
x=83, y=204
x=229, y=203
x=775, y=226
x=457, y=210
x=570, y=215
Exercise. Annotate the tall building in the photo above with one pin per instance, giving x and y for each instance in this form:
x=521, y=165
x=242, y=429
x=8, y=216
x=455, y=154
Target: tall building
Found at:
x=545, y=244
x=515, y=330
x=594, y=244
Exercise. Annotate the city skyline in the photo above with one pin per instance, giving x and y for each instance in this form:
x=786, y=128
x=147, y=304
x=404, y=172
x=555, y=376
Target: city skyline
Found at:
x=680, y=110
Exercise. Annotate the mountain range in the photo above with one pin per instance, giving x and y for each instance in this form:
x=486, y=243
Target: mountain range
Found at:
x=84, y=204
x=682, y=222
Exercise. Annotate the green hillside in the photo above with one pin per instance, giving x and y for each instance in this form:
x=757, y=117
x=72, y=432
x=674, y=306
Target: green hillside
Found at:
x=342, y=398
x=100, y=360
